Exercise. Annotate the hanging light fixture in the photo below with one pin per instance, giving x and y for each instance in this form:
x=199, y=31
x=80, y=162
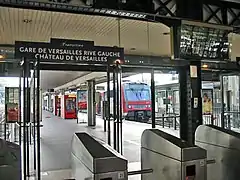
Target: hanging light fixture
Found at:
x=2, y=56
x=205, y=66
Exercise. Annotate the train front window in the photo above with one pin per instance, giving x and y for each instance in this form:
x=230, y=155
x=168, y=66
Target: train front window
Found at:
x=137, y=94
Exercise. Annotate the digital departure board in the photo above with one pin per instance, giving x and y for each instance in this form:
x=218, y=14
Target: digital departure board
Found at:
x=204, y=41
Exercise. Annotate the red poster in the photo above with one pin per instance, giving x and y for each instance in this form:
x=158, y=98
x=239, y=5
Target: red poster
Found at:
x=12, y=112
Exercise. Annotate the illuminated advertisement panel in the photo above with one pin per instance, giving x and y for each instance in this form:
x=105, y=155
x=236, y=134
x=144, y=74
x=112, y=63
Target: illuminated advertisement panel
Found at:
x=11, y=104
x=82, y=99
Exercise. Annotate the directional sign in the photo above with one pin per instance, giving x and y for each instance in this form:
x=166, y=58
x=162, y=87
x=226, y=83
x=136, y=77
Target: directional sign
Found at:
x=68, y=51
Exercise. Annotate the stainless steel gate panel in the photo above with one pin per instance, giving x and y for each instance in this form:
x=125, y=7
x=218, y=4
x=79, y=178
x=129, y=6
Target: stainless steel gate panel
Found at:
x=96, y=160
x=10, y=161
x=170, y=157
x=223, y=146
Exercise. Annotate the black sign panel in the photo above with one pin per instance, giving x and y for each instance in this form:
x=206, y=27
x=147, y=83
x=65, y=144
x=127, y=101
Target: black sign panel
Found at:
x=71, y=43
x=204, y=43
x=57, y=52
x=197, y=41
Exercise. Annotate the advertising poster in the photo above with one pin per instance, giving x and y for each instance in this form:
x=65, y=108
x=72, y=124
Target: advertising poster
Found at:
x=11, y=104
x=70, y=103
x=207, y=102
x=82, y=99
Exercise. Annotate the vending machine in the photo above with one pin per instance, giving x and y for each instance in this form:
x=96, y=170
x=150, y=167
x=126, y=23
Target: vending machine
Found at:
x=68, y=107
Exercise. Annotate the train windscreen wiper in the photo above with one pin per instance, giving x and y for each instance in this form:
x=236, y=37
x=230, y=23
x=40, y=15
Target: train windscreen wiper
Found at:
x=141, y=93
x=136, y=94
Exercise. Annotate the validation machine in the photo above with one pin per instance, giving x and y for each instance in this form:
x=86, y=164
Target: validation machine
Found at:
x=223, y=147
x=171, y=158
x=94, y=160
x=10, y=161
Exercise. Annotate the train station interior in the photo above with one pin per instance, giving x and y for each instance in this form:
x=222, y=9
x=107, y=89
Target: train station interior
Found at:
x=119, y=90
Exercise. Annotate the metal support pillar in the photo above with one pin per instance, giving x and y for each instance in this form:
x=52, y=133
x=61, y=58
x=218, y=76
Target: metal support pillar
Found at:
x=91, y=104
x=34, y=121
x=184, y=103
x=228, y=109
x=38, y=149
x=224, y=13
x=24, y=120
x=119, y=107
x=238, y=96
x=190, y=9
x=49, y=101
x=108, y=106
x=20, y=106
x=166, y=105
x=28, y=114
x=153, y=99
x=222, y=101
x=114, y=110
x=190, y=101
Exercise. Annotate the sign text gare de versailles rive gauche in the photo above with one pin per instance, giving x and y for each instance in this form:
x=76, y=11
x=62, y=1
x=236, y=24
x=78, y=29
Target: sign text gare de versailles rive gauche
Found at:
x=65, y=50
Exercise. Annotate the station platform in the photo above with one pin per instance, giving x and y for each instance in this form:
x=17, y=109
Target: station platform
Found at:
x=56, y=136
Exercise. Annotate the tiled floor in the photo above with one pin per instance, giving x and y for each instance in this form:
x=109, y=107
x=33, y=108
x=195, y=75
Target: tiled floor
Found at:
x=56, y=135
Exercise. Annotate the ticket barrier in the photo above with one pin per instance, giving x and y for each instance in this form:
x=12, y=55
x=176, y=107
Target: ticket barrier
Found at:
x=171, y=158
x=223, y=147
x=10, y=161
x=92, y=159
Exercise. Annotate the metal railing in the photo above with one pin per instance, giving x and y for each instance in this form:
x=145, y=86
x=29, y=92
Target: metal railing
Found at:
x=170, y=120
x=231, y=118
x=4, y=127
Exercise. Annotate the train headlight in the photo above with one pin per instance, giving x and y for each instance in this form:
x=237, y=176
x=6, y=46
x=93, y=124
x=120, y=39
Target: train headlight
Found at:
x=148, y=106
x=129, y=106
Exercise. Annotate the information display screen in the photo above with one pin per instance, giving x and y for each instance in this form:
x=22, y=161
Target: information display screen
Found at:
x=201, y=42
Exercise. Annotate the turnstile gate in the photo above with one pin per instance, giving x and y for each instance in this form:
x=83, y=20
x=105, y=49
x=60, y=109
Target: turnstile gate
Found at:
x=94, y=160
x=10, y=161
x=223, y=147
x=171, y=158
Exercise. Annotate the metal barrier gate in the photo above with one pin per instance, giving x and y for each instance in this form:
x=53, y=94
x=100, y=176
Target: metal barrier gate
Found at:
x=10, y=161
x=93, y=160
x=223, y=147
x=171, y=158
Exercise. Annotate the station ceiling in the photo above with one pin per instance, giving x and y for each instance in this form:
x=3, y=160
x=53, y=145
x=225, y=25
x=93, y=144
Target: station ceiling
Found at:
x=137, y=37
x=53, y=79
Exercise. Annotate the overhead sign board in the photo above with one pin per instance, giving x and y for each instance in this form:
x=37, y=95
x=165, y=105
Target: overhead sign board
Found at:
x=59, y=50
x=199, y=41
x=100, y=88
x=71, y=42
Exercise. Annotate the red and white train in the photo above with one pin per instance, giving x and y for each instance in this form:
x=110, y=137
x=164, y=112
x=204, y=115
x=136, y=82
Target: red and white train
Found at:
x=136, y=101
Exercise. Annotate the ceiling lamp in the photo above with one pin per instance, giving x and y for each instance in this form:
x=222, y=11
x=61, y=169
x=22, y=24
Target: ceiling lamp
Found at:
x=205, y=66
x=27, y=21
x=2, y=56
